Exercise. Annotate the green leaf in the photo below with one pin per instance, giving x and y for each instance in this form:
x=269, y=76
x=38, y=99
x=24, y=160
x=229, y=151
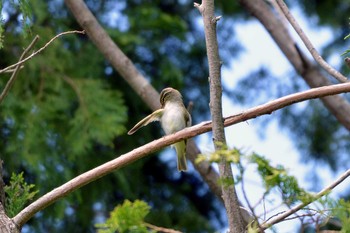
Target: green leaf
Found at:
x=341, y=210
x=18, y=193
x=277, y=177
x=346, y=52
x=128, y=217
x=99, y=118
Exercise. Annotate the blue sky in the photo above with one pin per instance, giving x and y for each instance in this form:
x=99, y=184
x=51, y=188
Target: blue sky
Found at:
x=276, y=145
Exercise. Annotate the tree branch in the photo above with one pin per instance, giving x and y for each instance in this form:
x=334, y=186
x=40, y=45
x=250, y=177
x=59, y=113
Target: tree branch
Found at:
x=235, y=220
x=323, y=192
x=337, y=105
x=308, y=44
x=16, y=69
x=39, y=51
x=7, y=225
x=135, y=79
x=21, y=218
x=160, y=229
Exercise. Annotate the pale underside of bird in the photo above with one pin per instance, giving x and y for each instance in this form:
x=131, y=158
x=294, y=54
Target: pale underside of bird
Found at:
x=173, y=117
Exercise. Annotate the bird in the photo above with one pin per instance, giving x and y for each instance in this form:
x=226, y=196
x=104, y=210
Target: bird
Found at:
x=173, y=117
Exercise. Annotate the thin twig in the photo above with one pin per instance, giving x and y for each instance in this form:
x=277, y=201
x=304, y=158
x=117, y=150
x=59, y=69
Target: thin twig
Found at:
x=12, y=70
x=302, y=205
x=309, y=45
x=254, y=216
x=41, y=49
x=160, y=229
x=16, y=69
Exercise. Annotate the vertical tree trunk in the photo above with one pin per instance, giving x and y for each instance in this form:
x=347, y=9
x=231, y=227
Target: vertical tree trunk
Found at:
x=229, y=195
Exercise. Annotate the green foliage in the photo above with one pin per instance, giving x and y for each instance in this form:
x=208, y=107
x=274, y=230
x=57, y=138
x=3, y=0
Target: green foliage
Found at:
x=100, y=117
x=348, y=50
x=93, y=113
x=128, y=217
x=341, y=210
x=18, y=193
x=26, y=10
x=66, y=112
x=253, y=228
x=332, y=214
x=277, y=177
x=320, y=12
x=26, y=17
x=230, y=155
x=272, y=176
x=49, y=125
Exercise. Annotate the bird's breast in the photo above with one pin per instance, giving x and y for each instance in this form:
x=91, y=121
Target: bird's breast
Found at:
x=173, y=118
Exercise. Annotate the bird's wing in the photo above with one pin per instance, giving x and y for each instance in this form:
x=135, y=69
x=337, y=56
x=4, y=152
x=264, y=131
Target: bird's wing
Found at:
x=155, y=116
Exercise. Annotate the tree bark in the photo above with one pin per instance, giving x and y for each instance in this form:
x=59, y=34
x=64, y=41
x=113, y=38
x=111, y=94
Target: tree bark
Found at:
x=235, y=220
x=312, y=75
x=6, y=224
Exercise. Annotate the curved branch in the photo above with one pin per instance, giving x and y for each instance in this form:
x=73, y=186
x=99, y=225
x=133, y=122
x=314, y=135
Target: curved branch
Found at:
x=39, y=51
x=308, y=44
x=21, y=218
x=337, y=105
x=16, y=69
x=320, y=194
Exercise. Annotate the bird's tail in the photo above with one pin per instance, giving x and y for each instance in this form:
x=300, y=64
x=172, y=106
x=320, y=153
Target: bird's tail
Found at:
x=181, y=155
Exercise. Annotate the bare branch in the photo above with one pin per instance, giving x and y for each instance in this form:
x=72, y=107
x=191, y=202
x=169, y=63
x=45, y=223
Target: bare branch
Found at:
x=235, y=220
x=279, y=103
x=11, y=70
x=309, y=45
x=302, y=205
x=21, y=218
x=40, y=50
x=15, y=71
x=161, y=229
x=253, y=216
x=336, y=104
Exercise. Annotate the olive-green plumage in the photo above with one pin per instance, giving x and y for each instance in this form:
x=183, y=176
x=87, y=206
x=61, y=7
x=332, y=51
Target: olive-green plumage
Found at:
x=173, y=117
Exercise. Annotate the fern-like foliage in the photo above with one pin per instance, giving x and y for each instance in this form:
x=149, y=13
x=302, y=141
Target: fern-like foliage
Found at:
x=18, y=193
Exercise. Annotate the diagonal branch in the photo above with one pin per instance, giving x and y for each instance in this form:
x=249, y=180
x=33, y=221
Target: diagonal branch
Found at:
x=16, y=70
x=336, y=74
x=21, y=218
x=320, y=194
x=39, y=51
x=336, y=104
